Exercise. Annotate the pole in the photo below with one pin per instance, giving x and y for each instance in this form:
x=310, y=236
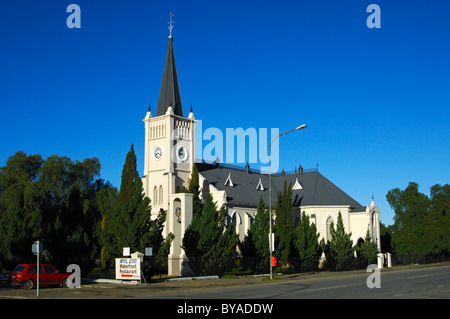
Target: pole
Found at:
x=270, y=210
x=37, y=287
x=301, y=127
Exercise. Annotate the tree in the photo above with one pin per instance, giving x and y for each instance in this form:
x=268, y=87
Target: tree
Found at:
x=306, y=242
x=440, y=218
x=421, y=223
x=66, y=216
x=256, y=241
x=106, y=202
x=53, y=201
x=368, y=251
x=128, y=222
x=411, y=210
x=16, y=219
x=386, y=238
x=339, y=250
x=208, y=241
x=283, y=226
x=194, y=189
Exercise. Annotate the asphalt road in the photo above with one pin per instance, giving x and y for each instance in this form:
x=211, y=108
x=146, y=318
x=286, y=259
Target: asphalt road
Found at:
x=403, y=282
x=433, y=282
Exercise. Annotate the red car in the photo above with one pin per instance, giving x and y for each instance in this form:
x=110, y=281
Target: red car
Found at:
x=25, y=275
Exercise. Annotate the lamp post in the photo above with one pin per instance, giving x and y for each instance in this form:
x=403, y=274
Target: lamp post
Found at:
x=301, y=127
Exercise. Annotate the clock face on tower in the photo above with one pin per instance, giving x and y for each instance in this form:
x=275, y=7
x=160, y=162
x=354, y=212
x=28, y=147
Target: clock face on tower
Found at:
x=157, y=153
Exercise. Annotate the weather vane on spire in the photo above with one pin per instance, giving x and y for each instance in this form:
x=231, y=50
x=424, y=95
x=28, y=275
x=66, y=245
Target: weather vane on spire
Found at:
x=171, y=25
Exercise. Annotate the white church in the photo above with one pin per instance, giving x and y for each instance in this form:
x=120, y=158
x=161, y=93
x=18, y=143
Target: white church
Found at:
x=169, y=156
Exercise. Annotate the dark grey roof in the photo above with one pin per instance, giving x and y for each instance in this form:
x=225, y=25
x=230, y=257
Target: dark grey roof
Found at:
x=316, y=189
x=169, y=95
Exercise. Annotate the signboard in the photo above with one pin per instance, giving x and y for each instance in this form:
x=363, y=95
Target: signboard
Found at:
x=126, y=251
x=148, y=251
x=272, y=242
x=128, y=268
x=37, y=247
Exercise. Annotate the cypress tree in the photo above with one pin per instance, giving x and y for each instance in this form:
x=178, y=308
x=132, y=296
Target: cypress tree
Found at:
x=208, y=240
x=339, y=250
x=306, y=242
x=194, y=189
x=283, y=224
x=368, y=250
x=256, y=241
x=129, y=221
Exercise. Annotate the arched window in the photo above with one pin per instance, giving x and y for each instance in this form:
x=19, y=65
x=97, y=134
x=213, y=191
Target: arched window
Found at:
x=155, y=196
x=161, y=198
x=235, y=219
x=330, y=222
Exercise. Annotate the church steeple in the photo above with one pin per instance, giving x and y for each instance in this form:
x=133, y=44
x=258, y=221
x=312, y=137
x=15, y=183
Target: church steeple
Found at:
x=169, y=95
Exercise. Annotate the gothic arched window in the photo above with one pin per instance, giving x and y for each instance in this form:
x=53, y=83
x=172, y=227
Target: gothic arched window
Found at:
x=330, y=223
x=155, y=196
x=161, y=198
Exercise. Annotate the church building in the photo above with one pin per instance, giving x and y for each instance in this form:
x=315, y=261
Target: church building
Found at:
x=168, y=159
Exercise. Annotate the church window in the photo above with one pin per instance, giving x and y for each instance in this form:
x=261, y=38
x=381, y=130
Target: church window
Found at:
x=233, y=219
x=161, y=198
x=236, y=220
x=251, y=220
x=330, y=222
x=155, y=196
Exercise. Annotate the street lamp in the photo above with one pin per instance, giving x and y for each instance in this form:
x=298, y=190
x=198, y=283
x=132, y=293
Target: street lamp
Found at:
x=301, y=127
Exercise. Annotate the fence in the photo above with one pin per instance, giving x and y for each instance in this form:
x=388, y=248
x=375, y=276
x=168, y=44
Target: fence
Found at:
x=198, y=266
x=239, y=266
x=419, y=259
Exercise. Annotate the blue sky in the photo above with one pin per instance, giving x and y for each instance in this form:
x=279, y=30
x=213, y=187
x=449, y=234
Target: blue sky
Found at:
x=376, y=101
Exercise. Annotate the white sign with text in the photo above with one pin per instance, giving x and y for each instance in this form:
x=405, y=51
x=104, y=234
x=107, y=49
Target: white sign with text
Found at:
x=128, y=268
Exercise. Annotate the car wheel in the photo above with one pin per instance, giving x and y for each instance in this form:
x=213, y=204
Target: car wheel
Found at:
x=64, y=283
x=29, y=284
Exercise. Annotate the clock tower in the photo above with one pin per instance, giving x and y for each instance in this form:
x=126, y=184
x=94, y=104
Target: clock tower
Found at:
x=168, y=159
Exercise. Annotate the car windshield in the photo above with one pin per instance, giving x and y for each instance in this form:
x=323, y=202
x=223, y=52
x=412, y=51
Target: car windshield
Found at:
x=19, y=268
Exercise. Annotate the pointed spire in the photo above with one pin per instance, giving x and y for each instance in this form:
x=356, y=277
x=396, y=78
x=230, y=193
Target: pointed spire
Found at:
x=169, y=95
x=149, y=113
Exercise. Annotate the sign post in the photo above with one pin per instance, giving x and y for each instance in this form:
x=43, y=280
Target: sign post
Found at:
x=37, y=249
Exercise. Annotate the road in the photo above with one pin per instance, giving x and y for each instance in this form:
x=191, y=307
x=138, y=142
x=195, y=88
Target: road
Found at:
x=427, y=282
x=404, y=282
